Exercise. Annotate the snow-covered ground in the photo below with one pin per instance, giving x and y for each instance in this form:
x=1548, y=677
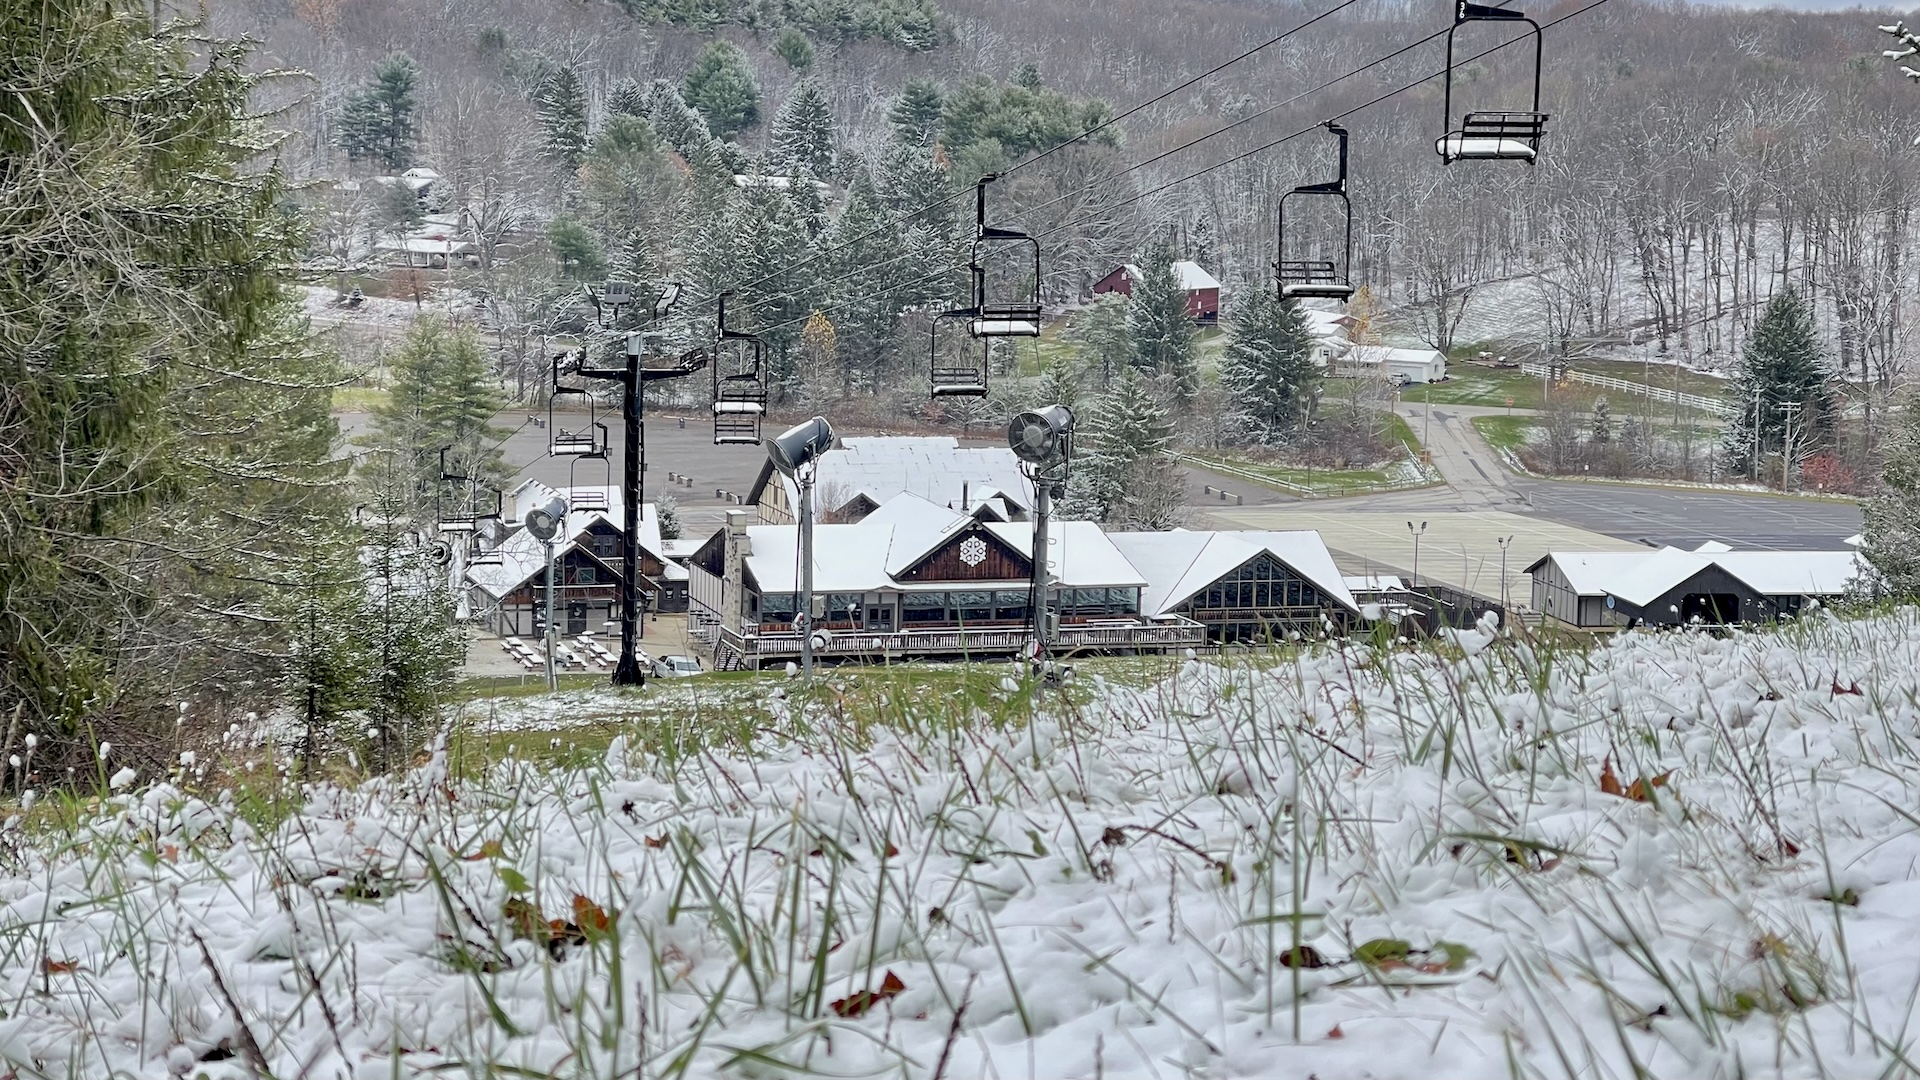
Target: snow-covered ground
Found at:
x=1674, y=855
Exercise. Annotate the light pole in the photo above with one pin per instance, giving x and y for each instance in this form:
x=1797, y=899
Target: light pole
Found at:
x=544, y=523
x=1789, y=410
x=796, y=453
x=1043, y=441
x=1503, y=541
x=1416, y=533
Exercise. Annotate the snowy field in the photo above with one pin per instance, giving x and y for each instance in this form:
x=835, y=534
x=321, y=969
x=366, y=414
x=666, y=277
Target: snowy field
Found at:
x=1677, y=855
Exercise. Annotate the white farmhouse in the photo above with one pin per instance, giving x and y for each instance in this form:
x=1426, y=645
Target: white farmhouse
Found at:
x=1395, y=365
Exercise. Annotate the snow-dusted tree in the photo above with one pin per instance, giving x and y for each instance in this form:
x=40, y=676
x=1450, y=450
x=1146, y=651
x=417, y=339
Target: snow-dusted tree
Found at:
x=562, y=105
x=1062, y=382
x=915, y=115
x=629, y=98
x=1268, y=368
x=801, y=139
x=576, y=251
x=1602, y=422
x=1157, y=319
x=1781, y=382
x=1099, y=334
x=1890, y=519
x=722, y=87
x=380, y=121
x=793, y=47
x=668, y=509
x=1122, y=474
x=405, y=628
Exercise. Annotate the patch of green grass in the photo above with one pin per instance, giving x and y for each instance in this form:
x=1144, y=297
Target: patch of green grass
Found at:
x=1322, y=481
x=358, y=398
x=1398, y=430
x=1490, y=387
x=1503, y=432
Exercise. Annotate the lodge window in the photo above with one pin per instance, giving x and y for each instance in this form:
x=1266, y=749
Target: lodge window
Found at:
x=923, y=608
x=585, y=575
x=1262, y=583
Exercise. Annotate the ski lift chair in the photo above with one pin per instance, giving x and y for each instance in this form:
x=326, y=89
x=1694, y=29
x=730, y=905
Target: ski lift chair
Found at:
x=1492, y=135
x=740, y=384
x=990, y=315
x=589, y=440
x=1318, y=279
x=461, y=519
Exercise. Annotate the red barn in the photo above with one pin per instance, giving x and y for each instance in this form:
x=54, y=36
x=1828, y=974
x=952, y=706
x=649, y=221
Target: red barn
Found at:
x=1203, y=289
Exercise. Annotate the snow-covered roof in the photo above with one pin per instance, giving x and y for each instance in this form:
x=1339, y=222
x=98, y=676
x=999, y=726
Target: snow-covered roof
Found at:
x=1180, y=563
x=1382, y=354
x=1082, y=554
x=1192, y=277
x=936, y=468
x=867, y=555
x=521, y=556
x=1327, y=324
x=1373, y=582
x=1640, y=577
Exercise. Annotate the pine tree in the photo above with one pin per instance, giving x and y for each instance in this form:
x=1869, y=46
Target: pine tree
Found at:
x=915, y=115
x=722, y=87
x=1890, y=519
x=405, y=625
x=164, y=420
x=577, y=251
x=441, y=395
x=1099, y=334
x=380, y=121
x=1268, y=367
x=668, y=509
x=562, y=105
x=1782, y=381
x=628, y=99
x=793, y=47
x=1602, y=421
x=801, y=140
x=1062, y=382
x=1121, y=466
x=1163, y=335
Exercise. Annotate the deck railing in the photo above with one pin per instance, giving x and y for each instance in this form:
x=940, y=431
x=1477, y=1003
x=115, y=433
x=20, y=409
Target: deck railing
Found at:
x=1154, y=634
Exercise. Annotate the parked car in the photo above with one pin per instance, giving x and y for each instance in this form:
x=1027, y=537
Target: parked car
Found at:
x=676, y=667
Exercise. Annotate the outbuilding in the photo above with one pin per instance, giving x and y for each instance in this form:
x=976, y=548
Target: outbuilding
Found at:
x=1671, y=587
x=1203, y=289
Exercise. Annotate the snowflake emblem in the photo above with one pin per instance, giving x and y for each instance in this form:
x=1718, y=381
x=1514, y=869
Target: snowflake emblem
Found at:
x=973, y=551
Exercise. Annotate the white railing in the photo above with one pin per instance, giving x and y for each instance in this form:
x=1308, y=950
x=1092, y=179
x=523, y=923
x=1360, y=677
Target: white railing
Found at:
x=1716, y=406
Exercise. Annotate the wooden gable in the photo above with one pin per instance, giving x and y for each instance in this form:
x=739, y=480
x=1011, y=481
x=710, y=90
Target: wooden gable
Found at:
x=973, y=554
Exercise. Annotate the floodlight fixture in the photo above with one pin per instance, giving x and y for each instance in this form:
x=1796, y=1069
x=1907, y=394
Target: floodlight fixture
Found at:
x=800, y=445
x=668, y=297
x=543, y=521
x=1040, y=436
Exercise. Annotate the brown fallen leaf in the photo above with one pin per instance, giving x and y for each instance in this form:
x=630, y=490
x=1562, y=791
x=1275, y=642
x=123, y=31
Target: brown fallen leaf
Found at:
x=1642, y=789
x=858, y=1004
x=1336, y=1033
x=525, y=917
x=489, y=850
x=1852, y=687
x=589, y=917
x=60, y=967
x=657, y=841
x=1609, y=783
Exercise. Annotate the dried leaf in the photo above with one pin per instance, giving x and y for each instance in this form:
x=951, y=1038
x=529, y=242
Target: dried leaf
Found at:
x=588, y=916
x=1336, y=1033
x=1852, y=687
x=170, y=852
x=60, y=967
x=1304, y=957
x=525, y=918
x=1642, y=789
x=858, y=1004
x=489, y=850
x=1609, y=783
x=657, y=841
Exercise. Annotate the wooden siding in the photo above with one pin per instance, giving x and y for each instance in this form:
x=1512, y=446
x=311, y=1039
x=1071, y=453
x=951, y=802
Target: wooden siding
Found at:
x=1001, y=564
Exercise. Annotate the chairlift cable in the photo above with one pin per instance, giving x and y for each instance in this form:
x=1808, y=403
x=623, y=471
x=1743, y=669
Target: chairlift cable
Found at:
x=1057, y=147
x=1316, y=126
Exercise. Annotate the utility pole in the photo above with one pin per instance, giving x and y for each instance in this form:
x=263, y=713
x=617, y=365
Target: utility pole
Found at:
x=633, y=379
x=1790, y=410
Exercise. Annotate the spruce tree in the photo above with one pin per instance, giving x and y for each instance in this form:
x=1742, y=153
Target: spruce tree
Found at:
x=380, y=121
x=801, y=140
x=1890, y=519
x=562, y=106
x=915, y=115
x=441, y=395
x=1100, y=336
x=164, y=420
x=722, y=87
x=793, y=47
x=628, y=99
x=1163, y=334
x=1268, y=367
x=1121, y=471
x=1782, y=380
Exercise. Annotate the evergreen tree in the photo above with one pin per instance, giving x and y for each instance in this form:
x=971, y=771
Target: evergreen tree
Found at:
x=1163, y=335
x=1602, y=422
x=681, y=127
x=627, y=183
x=441, y=395
x=1782, y=381
x=668, y=509
x=915, y=115
x=1100, y=336
x=1122, y=474
x=722, y=87
x=1890, y=519
x=562, y=105
x=801, y=140
x=1268, y=367
x=405, y=626
x=1061, y=383
x=793, y=47
x=577, y=251
x=628, y=99
x=164, y=422
x=1019, y=118
x=380, y=121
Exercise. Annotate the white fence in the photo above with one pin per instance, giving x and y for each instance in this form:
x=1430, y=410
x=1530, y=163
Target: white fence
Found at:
x=1716, y=406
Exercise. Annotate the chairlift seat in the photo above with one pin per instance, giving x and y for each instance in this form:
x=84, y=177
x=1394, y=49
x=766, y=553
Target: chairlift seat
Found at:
x=992, y=327
x=1494, y=136
x=752, y=407
x=958, y=382
x=1316, y=290
x=573, y=444
x=456, y=525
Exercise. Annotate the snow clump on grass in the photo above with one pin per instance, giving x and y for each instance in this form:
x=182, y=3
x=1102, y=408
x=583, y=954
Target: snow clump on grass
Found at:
x=1674, y=854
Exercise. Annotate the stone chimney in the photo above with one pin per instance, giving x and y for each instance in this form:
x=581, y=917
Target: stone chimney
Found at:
x=733, y=599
